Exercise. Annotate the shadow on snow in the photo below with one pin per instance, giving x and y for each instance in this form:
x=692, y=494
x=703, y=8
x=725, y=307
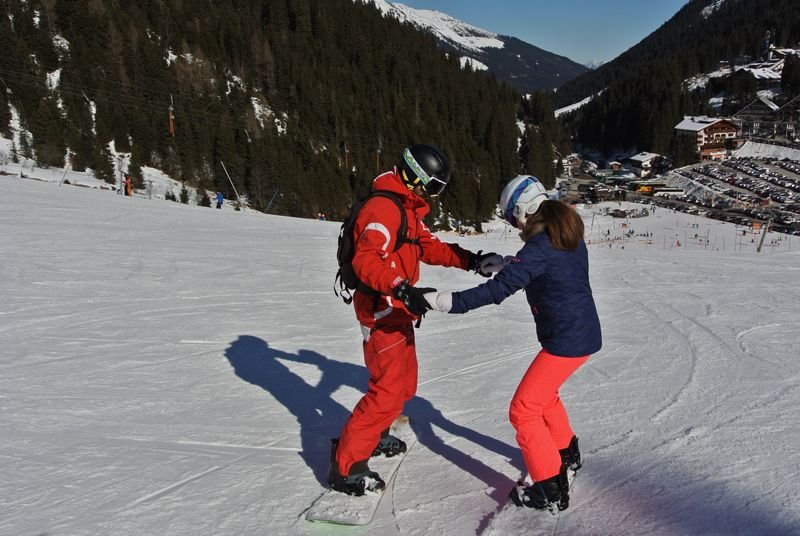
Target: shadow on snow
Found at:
x=320, y=417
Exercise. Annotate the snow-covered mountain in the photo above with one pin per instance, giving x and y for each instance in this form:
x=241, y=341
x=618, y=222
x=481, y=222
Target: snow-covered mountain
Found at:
x=595, y=64
x=524, y=66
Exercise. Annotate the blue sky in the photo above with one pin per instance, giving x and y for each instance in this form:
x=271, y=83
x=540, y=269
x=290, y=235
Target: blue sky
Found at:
x=583, y=30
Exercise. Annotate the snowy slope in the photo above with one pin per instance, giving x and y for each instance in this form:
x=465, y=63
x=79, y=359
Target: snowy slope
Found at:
x=156, y=183
x=763, y=150
x=171, y=369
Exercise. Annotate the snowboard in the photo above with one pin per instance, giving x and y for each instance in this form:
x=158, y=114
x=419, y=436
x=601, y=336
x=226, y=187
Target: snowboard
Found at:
x=513, y=519
x=342, y=509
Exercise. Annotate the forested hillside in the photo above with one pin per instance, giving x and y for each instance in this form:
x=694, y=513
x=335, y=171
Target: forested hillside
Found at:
x=309, y=98
x=643, y=95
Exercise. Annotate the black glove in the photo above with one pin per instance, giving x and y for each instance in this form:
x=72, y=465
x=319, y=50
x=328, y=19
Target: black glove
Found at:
x=413, y=298
x=485, y=263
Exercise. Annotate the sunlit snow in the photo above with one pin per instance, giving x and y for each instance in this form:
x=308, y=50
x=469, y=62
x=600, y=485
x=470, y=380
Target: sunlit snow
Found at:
x=172, y=369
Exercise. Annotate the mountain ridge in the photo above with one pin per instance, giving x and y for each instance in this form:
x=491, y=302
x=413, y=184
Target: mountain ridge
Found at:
x=522, y=65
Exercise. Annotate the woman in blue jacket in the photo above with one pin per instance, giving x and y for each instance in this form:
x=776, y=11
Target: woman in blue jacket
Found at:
x=553, y=268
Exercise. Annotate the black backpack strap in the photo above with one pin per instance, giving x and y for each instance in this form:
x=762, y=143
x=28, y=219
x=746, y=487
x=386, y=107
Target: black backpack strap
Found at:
x=342, y=292
x=400, y=240
x=402, y=231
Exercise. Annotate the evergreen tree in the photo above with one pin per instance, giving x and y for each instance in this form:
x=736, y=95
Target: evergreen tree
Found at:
x=103, y=164
x=47, y=130
x=790, y=78
x=684, y=151
x=271, y=89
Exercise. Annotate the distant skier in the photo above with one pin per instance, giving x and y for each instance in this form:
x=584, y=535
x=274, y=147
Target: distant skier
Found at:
x=553, y=268
x=220, y=199
x=389, y=306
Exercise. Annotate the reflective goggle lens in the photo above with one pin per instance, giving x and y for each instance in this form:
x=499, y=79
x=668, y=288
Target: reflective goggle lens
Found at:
x=435, y=186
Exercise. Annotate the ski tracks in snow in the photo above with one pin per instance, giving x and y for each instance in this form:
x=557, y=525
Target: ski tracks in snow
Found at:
x=516, y=355
x=177, y=485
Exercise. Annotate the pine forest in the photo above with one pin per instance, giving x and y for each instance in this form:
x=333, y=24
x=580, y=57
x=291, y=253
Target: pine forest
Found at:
x=306, y=98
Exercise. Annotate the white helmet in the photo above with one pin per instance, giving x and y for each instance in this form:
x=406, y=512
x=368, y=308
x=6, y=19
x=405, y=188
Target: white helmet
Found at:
x=521, y=197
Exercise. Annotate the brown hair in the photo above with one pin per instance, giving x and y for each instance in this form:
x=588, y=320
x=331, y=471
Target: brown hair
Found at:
x=562, y=223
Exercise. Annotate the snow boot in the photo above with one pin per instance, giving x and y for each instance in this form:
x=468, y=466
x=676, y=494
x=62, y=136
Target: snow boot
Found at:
x=359, y=479
x=571, y=456
x=389, y=445
x=549, y=494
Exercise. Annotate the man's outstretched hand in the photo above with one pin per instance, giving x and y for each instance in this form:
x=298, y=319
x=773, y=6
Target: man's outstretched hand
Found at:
x=485, y=264
x=413, y=298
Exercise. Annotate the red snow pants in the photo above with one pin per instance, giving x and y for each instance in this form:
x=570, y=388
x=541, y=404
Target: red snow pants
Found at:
x=391, y=358
x=538, y=415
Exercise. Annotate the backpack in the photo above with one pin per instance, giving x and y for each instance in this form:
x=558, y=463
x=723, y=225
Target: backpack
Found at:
x=346, y=278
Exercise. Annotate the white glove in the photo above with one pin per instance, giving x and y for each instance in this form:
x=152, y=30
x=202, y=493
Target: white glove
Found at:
x=439, y=301
x=491, y=264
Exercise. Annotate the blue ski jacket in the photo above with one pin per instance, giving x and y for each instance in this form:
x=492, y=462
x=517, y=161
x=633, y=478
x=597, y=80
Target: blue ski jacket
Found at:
x=557, y=287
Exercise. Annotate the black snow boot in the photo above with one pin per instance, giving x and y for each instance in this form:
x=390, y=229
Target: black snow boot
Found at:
x=389, y=445
x=359, y=479
x=549, y=494
x=571, y=456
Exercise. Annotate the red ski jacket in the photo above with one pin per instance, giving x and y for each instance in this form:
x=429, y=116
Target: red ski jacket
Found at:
x=381, y=268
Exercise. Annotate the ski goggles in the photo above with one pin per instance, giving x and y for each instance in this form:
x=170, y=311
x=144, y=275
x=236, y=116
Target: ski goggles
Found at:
x=432, y=185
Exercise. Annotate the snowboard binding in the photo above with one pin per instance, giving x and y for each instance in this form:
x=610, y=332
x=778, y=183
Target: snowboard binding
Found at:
x=359, y=480
x=571, y=456
x=389, y=446
x=551, y=494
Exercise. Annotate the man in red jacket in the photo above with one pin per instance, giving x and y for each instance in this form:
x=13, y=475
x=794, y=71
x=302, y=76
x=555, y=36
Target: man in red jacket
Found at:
x=387, y=316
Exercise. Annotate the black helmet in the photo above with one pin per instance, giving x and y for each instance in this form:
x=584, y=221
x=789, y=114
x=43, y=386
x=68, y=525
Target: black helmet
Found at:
x=425, y=165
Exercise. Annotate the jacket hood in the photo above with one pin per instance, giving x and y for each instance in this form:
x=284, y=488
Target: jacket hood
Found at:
x=391, y=182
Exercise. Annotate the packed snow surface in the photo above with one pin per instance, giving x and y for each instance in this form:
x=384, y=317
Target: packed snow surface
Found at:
x=172, y=369
x=763, y=150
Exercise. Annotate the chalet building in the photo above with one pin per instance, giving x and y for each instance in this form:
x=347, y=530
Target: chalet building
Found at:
x=769, y=117
x=765, y=119
x=759, y=118
x=711, y=135
x=789, y=116
x=767, y=74
x=768, y=71
x=642, y=164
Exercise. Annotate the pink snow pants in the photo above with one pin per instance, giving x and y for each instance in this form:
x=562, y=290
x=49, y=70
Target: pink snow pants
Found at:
x=391, y=358
x=538, y=415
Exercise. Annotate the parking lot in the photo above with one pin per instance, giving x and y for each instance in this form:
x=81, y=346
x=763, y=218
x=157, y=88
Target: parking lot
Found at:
x=741, y=191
